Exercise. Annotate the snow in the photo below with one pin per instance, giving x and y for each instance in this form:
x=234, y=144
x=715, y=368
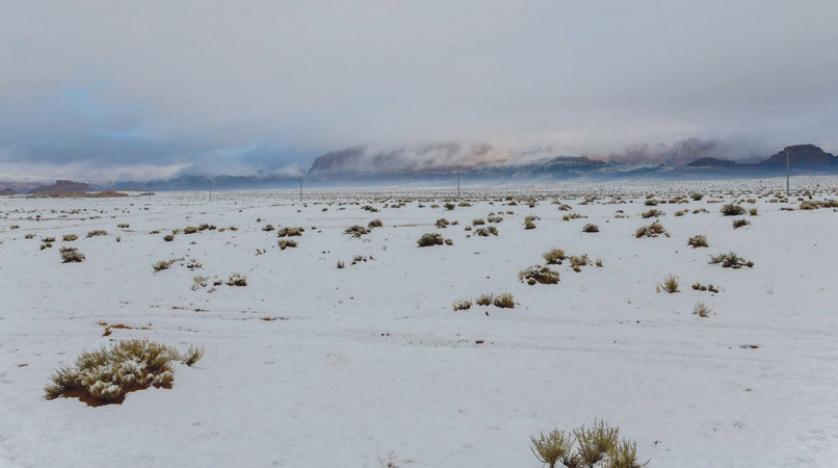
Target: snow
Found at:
x=370, y=361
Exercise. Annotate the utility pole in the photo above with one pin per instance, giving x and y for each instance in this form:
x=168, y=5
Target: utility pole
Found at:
x=210, y=188
x=458, y=184
x=787, y=174
x=301, y=190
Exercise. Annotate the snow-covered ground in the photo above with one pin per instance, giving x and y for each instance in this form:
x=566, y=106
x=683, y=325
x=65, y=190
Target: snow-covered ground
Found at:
x=370, y=361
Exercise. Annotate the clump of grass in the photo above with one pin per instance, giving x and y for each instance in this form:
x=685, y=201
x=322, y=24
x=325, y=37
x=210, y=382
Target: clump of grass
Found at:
x=504, y=301
x=286, y=243
x=595, y=443
x=484, y=299
x=539, y=275
x=590, y=228
x=464, y=304
x=192, y=356
x=554, y=256
x=486, y=231
x=237, y=280
x=430, y=239
x=730, y=260
x=71, y=255
x=291, y=232
x=106, y=375
x=376, y=223
x=653, y=230
x=624, y=455
x=441, y=223
x=738, y=223
x=552, y=447
x=670, y=284
x=701, y=310
x=578, y=261
x=356, y=230
x=70, y=237
x=697, y=241
x=97, y=232
x=529, y=222
x=732, y=209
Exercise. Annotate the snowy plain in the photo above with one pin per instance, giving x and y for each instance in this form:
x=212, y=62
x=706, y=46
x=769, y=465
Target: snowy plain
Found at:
x=314, y=366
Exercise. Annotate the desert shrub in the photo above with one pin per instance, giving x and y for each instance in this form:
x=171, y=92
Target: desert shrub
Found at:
x=670, y=284
x=268, y=227
x=653, y=213
x=484, y=299
x=552, y=447
x=697, y=241
x=356, y=230
x=96, y=233
x=168, y=238
x=70, y=237
x=341, y=265
x=429, y=239
x=738, y=223
x=730, y=260
x=650, y=202
x=595, y=443
x=464, y=304
x=653, y=230
x=598, y=446
x=808, y=205
x=504, y=301
x=700, y=287
x=106, y=375
x=554, y=256
x=539, y=274
x=701, y=310
x=48, y=240
x=190, y=230
x=291, y=232
x=494, y=218
x=732, y=209
x=123, y=226
x=237, y=280
x=486, y=231
x=29, y=236
x=696, y=196
x=590, y=228
x=753, y=212
x=449, y=206
x=441, y=223
x=571, y=216
x=578, y=261
x=286, y=243
x=529, y=222
x=376, y=223
x=478, y=222
x=71, y=255
x=163, y=264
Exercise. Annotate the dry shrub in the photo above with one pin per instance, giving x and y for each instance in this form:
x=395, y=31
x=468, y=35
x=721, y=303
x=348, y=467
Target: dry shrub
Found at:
x=430, y=239
x=504, y=301
x=595, y=443
x=808, y=205
x=105, y=376
x=484, y=299
x=539, y=274
x=598, y=446
x=441, y=223
x=268, y=227
x=552, y=447
x=730, y=260
x=356, y=230
x=168, y=238
x=670, y=284
x=291, y=232
x=554, y=256
x=486, y=231
x=738, y=223
x=702, y=310
x=732, y=209
x=578, y=261
x=590, y=228
x=190, y=230
x=478, y=222
x=69, y=237
x=71, y=255
x=376, y=223
x=237, y=280
x=97, y=233
x=286, y=243
x=653, y=230
x=697, y=241
x=464, y=304
x=529, y=222
x=653, y=213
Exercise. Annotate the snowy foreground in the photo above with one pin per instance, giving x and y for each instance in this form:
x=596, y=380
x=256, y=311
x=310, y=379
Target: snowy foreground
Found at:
x=311, y=365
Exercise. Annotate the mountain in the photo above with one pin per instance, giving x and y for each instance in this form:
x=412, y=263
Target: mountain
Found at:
x=7, y=191
x=62, y=186
x=712, y=162
x=801, y=156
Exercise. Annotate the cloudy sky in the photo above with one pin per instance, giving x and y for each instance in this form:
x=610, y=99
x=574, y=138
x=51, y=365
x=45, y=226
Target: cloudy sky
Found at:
x=109, y=89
